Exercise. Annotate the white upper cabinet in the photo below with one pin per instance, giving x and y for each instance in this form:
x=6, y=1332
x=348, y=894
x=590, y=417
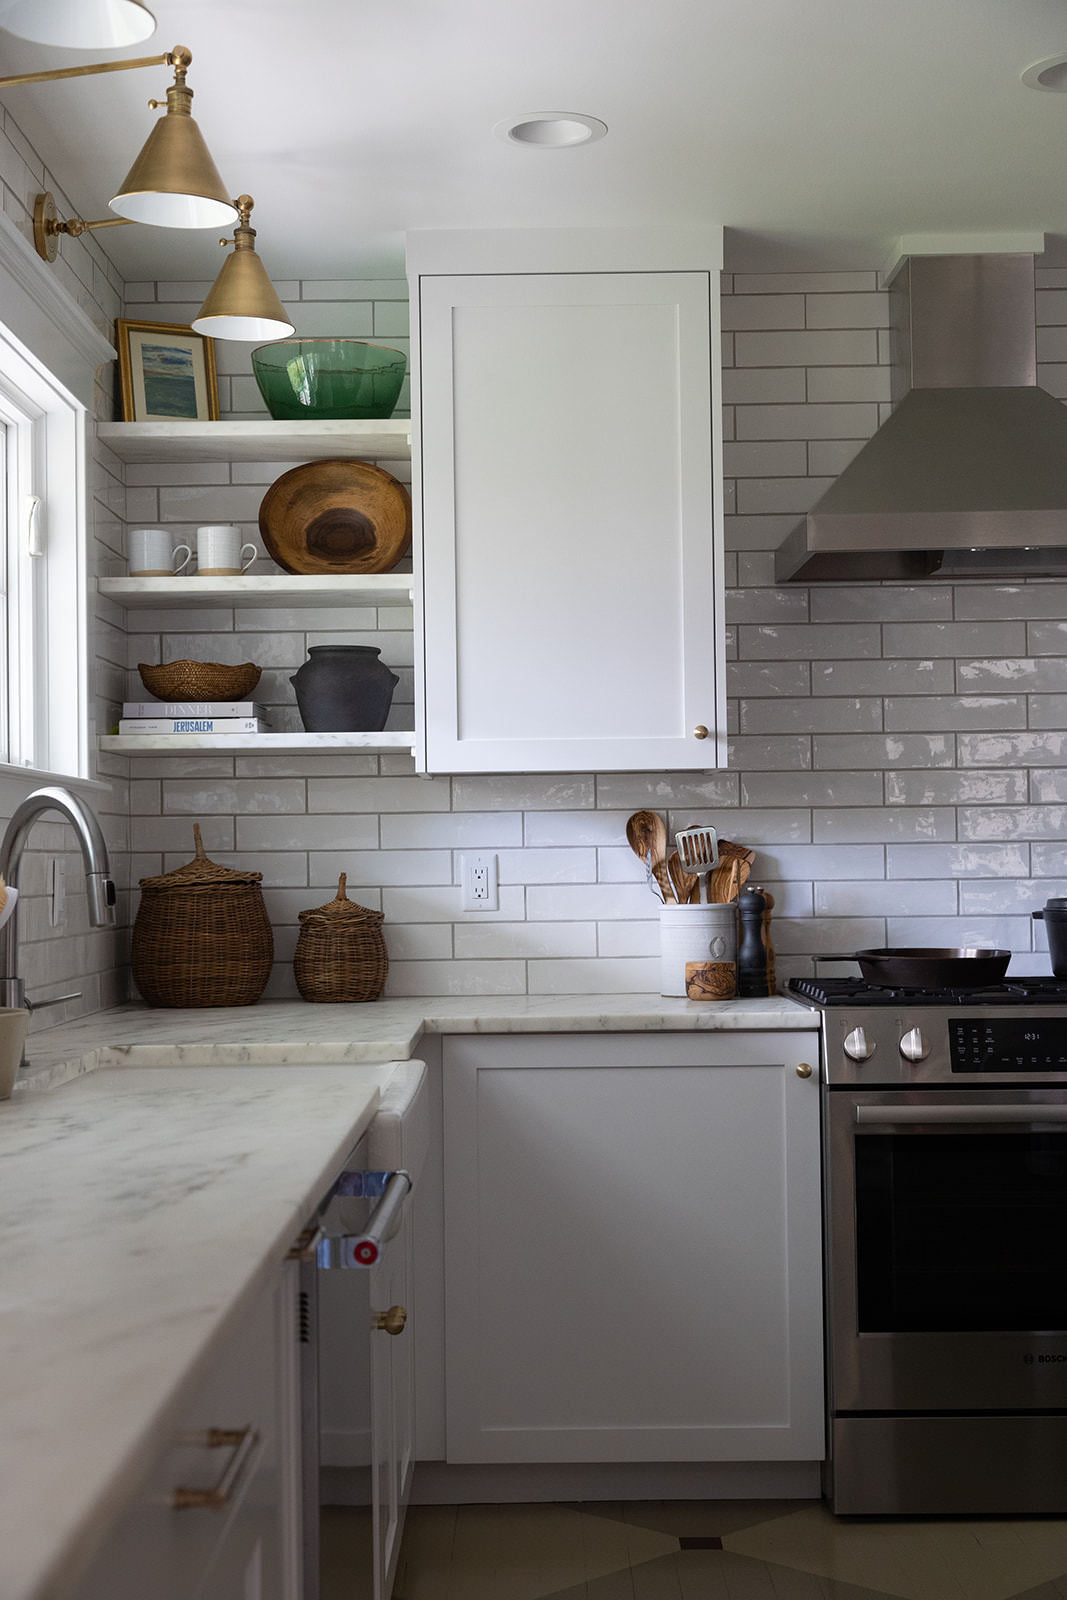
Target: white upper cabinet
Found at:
x=567, y=483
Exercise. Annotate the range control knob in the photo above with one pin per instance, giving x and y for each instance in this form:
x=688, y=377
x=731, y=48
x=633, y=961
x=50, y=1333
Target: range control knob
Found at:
x=857, y=1046
x=913, y=1046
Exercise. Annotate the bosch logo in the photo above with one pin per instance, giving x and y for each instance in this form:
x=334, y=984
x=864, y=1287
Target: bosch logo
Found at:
x=1043, y=1361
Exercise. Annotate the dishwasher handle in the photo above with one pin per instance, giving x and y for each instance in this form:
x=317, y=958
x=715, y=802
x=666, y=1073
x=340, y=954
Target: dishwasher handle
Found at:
x=347, y=1251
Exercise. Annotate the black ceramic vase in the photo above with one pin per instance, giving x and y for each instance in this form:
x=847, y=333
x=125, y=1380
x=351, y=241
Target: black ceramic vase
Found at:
x=344, y=688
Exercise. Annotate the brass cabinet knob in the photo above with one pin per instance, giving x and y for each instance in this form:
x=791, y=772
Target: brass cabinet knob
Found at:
x=391, y=1321
x=700, y=732
x=804, y=1069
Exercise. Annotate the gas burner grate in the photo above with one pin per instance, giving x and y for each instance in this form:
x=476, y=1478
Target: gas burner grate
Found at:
x=854, y=991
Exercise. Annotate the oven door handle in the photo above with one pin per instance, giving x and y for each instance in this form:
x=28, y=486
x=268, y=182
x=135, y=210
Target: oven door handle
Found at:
x=888, y=1116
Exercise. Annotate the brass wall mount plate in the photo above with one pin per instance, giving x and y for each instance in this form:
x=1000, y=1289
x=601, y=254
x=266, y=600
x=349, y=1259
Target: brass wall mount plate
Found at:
x=336, y=516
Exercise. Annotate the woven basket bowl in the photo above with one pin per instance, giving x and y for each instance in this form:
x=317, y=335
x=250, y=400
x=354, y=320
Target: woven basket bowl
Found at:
x=199, y=680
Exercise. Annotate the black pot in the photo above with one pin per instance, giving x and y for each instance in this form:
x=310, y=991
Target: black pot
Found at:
x=1054, y=916
x=344, y=688
x=929, y=968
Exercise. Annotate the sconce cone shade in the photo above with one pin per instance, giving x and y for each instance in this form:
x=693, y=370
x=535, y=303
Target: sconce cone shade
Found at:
x=242, y=303
x=174, y=183
x=78, y=24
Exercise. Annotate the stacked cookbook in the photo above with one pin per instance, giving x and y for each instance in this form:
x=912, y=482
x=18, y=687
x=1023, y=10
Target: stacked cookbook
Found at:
x=192, y=716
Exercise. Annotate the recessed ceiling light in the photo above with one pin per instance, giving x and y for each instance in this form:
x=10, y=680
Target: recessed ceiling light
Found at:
x=551, y=130
x=1048, y=74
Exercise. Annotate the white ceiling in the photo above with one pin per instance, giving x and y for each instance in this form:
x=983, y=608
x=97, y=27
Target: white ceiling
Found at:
x=817, y=131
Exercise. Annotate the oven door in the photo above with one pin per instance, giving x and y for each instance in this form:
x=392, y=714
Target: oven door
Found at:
x=947, y=1249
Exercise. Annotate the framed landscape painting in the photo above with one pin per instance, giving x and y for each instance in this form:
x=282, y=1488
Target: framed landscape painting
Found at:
x=166, y=372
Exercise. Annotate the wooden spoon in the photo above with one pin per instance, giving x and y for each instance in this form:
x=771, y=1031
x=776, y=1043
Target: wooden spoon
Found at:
x=686, y=884
x=646, y=834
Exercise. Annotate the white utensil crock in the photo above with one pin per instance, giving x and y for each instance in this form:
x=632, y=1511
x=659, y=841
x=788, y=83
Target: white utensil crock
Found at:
x=693, y=933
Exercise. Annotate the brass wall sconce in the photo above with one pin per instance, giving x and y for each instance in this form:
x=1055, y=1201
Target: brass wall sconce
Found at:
x=78, y=24
x=174, y=183
x=242, y=303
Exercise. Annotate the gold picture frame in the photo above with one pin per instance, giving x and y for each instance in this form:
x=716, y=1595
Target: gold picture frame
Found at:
x=166, y=373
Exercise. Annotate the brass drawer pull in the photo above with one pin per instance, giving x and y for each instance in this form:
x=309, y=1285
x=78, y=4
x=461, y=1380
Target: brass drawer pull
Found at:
x=391, y=1321
x=243, y=1442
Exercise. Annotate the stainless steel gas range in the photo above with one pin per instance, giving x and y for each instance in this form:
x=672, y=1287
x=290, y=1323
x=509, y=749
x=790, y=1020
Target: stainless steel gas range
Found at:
x=945, y=1161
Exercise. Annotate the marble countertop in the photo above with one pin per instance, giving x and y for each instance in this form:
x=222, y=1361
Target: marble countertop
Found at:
x=124, y=1190
x=123, y=1195
x=292, y=1031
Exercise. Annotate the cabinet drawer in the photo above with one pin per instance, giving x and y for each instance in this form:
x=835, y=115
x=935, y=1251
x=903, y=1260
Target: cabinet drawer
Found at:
x=174, y=1551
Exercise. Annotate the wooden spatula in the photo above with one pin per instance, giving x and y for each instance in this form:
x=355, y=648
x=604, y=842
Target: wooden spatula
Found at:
x=730, y=876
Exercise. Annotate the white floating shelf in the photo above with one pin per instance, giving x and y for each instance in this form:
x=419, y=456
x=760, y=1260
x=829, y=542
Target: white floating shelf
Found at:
x=136, y=744
x=257, y=441
x=195, y=593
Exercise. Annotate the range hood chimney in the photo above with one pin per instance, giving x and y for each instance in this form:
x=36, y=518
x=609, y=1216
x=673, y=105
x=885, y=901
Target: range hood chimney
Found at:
x=968, y=477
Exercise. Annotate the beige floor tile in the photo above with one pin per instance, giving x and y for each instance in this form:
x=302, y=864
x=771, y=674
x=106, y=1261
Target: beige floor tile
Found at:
x=925, y=1560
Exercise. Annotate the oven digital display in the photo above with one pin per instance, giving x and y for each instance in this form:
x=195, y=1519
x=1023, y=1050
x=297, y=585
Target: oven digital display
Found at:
x=1008, y=1044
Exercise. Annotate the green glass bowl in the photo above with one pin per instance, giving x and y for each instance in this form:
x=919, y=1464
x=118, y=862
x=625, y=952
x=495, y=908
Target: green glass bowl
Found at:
x=312, y=380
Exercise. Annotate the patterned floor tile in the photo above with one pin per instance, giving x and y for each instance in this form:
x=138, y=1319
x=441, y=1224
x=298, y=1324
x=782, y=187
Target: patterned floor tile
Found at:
x=931, y=1559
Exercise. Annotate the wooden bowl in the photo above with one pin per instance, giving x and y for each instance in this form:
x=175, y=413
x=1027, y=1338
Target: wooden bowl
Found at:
x=199, y=680
x=336, y=516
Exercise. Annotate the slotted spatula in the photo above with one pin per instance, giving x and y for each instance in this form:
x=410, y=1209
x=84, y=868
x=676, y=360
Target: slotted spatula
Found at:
x=698, y=849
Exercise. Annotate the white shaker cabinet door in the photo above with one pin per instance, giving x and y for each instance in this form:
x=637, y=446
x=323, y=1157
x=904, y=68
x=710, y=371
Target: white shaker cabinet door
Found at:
x=567, y=472
x=633, y=1249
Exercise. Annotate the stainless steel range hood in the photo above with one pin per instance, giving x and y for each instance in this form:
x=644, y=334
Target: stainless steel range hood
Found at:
x=968, y=477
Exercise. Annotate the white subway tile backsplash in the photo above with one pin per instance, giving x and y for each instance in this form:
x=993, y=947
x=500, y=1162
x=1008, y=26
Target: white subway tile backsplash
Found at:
x=740, y=311
x=954, y=638
x=477, y=941
x=394, y=795
x=889, y=825
x=973, y=787
x=605, y=975
x=847, y=705
x=914, y=713
x=780, y=715
x=1043, y=749
x=812, y=788
x=1015, y=823
x=899, y=897
x=958, y=861
x=478, y=830
x=832, y=348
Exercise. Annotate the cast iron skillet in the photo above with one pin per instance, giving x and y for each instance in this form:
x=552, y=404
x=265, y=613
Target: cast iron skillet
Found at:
x=929, y=969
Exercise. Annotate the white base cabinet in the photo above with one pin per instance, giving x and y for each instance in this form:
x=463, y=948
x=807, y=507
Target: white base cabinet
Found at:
x=567, y=464
x=240, y=1433
x=633, y=1249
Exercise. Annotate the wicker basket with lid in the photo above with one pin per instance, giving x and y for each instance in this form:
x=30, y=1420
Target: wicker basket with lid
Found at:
x=202, y=936
x=340, y=952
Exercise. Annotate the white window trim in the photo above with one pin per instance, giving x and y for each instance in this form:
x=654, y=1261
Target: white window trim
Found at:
x=49, y=353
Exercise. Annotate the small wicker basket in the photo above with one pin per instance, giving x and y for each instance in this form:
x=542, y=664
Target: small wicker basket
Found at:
x=340, y=951
x=202, y=936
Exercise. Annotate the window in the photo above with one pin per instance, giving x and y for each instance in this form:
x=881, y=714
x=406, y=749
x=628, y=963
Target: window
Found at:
x=43, y=716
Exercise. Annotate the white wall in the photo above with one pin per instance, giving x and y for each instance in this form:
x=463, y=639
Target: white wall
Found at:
x=898, y=756
x=56, y=961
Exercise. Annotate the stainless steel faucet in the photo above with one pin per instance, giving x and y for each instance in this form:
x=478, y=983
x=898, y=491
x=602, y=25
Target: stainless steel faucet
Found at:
x=101, y=890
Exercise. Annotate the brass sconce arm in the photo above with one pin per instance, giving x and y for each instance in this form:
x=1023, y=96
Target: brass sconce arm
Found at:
x=47, y=227
x=178, y=57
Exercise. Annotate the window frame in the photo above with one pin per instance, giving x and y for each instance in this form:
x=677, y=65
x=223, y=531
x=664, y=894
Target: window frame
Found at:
x=47, y=592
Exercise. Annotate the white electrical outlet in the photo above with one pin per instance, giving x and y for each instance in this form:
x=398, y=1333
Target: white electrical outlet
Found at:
x=478, y=881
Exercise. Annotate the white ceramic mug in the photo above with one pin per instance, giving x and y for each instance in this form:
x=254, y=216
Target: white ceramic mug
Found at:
x=220, y=553
x=153, y=553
